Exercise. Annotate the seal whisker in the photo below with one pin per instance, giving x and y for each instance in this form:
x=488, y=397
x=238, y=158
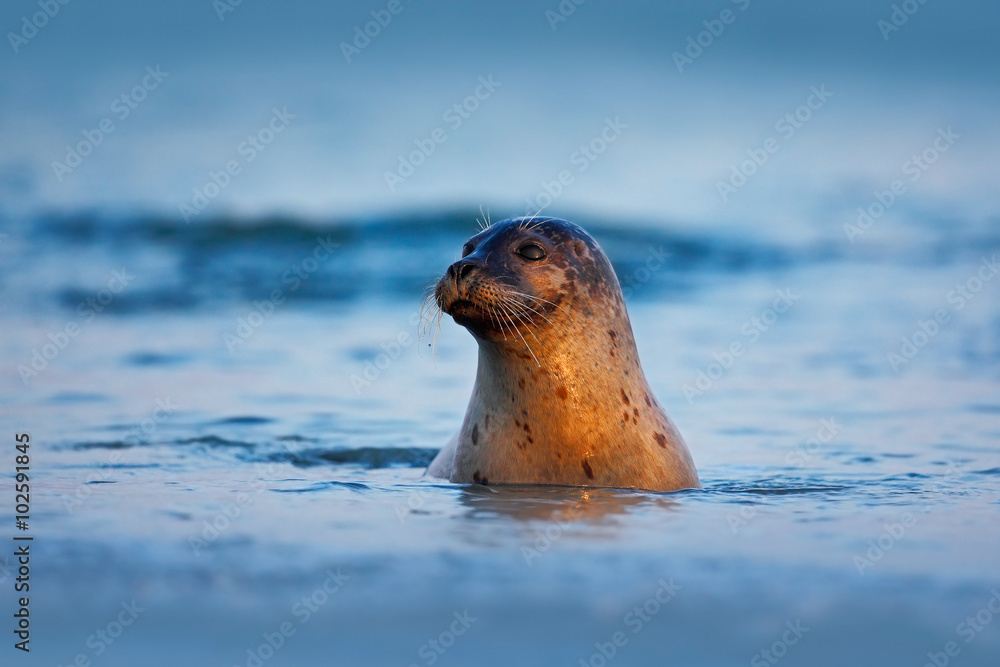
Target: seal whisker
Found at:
x=512, y=294
x=437, y=328
x=496, y=320
x=426, y=324
x=540, y=300
x=429, y=316
x=489, y=312
x=512, y=307
x=500, y=316
x=516, y=309
x=524, y=223
x=534, y=226
x=508, y=313
x=529, y=307
x=424, y=314
x=525, y=341
x=505, y=313
x=536, y=298
x=520, y=314
x=526, y=226
x=428, y=309
x=434, y=338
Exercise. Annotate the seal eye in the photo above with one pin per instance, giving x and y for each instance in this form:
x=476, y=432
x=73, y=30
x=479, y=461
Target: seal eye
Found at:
x=467, y=249
x=531, y=251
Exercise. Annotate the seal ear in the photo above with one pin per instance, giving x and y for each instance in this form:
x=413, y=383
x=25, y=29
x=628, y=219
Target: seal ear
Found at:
x=578, y=248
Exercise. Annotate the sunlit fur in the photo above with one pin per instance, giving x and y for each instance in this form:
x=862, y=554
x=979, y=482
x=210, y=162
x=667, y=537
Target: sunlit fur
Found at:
x=560, y=397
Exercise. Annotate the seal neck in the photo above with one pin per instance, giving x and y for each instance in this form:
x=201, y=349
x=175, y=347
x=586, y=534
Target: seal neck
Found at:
x=575, y=360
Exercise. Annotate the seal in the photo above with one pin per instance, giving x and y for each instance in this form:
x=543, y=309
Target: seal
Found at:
x=559, y=396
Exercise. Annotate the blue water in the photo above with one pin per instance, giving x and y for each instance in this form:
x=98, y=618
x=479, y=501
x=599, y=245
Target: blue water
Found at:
x=849, y=511
x=228, y=440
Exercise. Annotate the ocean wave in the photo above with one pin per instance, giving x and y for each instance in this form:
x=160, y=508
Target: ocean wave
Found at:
x=231, y=260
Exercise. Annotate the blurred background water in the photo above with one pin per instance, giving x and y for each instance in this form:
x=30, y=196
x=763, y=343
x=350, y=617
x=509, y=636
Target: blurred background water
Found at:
x=217, y=221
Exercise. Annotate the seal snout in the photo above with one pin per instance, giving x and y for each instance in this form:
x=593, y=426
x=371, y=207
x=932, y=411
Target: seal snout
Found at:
x=461, y=270
x=455, y=285
x=506, y=282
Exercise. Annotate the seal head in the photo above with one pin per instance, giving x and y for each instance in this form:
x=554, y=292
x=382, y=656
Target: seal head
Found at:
x=560, y=396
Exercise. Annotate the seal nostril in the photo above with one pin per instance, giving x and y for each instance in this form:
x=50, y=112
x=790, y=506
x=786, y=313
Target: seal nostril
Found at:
x=460, y=270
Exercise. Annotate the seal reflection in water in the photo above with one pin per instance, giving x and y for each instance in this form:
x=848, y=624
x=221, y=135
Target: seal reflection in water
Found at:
x=560, y=397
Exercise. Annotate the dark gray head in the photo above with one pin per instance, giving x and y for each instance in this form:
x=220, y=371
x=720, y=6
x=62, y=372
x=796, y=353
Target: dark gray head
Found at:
x=528, y=272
